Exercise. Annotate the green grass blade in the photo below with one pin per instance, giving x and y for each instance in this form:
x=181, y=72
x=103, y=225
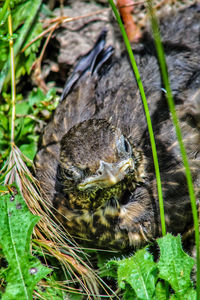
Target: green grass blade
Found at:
x=5, y=72
x=4, y=10
x=149, y=124
x=163, y=67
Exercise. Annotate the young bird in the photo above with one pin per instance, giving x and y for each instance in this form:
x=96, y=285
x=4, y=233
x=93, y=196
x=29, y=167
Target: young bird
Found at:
x=94, y=162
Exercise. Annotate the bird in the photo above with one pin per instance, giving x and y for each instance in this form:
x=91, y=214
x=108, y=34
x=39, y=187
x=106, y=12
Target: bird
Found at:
x=94, y=161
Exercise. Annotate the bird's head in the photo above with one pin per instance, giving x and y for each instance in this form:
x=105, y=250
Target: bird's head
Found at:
x=95, y=156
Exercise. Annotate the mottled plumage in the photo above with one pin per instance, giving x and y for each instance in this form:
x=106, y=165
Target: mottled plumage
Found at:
x=95, y=163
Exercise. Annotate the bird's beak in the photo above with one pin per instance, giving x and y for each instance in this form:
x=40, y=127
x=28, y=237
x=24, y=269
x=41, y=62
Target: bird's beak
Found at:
x=107, y=175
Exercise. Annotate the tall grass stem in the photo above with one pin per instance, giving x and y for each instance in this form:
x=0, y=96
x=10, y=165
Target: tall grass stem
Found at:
x=146, y=109
x=12, y=69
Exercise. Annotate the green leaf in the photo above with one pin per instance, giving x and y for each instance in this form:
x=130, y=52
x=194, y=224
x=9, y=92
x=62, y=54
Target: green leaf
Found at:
x=175, y=265
x=189, y=295
x=3, y=121
x=16, y=226
x=103, y=263
x=29, y=150
x=161, y=292
x=129, y=293
x=139, y=271
x=22, y=108
x=36, y=96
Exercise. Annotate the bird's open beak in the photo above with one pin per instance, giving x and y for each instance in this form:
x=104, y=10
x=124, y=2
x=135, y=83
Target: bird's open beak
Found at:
x=107, y=175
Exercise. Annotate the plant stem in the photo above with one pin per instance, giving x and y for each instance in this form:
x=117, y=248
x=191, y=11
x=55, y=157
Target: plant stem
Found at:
x=12, y=69
x=163, y=67
x=148, y=118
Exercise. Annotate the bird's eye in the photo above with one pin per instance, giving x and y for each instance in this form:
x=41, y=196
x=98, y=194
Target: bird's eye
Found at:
x=123, y=146
x=68, y=175
x=127, y=146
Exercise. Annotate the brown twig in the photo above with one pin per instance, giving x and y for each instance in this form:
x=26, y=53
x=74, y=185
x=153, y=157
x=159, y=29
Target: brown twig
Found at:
x=60, y=21
x=37, y=65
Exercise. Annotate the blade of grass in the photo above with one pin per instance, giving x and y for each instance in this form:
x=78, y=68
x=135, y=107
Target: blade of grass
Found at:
x=4, y=10
x=164, y=73
x=149, y=124
x=5, y=72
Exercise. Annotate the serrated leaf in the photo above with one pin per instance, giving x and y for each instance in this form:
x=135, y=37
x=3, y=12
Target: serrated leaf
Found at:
x=175, y=265
x=189, y=295
x=138, y=271
x=16, y=226
x=105, y=268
